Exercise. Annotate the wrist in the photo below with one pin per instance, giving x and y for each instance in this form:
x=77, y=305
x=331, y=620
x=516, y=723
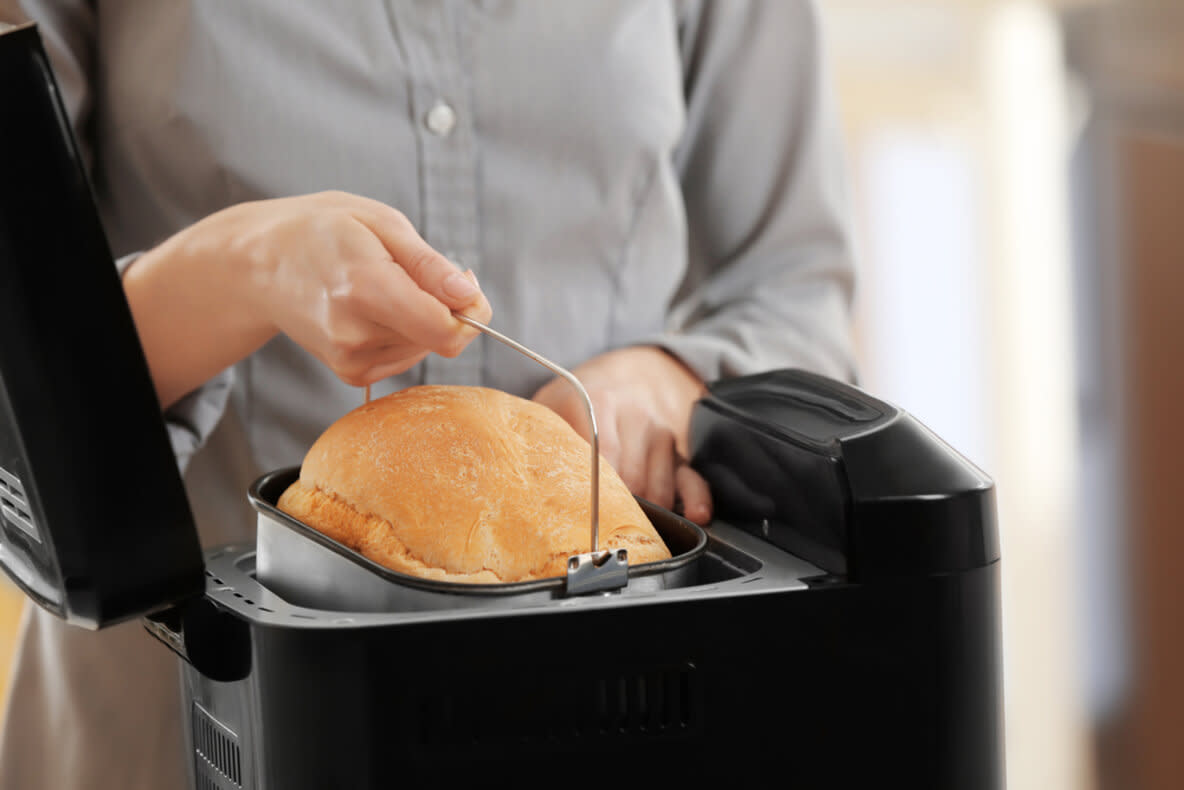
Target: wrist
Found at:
x=669, y=367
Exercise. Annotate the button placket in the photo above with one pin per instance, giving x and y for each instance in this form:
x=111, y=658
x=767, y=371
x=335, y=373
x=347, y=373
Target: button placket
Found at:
x=436, y=46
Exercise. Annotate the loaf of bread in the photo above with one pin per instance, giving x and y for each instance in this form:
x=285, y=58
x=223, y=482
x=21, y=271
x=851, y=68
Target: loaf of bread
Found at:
x=463, y=484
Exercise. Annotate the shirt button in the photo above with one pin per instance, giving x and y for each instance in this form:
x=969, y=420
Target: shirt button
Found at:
x=441, y=119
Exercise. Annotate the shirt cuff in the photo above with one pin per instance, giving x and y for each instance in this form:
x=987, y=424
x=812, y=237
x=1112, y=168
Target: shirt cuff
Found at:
x=191, y=420
x=122, y=264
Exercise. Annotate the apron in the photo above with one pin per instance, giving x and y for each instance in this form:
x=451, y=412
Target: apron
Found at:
x=91, y=709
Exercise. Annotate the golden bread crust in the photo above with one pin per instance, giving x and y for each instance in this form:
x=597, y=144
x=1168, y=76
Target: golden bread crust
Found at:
x=464, y=484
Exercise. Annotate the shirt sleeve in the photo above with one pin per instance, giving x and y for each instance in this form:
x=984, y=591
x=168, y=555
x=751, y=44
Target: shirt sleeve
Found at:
x=770, y=275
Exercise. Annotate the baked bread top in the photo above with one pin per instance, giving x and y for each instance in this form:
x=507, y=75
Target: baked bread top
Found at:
x=463, y=484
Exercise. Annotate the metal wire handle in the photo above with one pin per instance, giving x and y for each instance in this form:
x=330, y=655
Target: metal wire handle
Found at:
x=571, y=379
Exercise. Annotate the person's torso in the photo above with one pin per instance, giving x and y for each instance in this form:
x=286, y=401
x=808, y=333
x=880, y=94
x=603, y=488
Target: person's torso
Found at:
x=529, y=141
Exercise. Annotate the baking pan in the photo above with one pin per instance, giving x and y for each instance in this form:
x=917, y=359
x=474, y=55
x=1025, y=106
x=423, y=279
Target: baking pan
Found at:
x=308, y=568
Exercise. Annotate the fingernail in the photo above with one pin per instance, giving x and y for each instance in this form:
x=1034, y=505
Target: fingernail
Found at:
x=472, y=275
x=458, y=286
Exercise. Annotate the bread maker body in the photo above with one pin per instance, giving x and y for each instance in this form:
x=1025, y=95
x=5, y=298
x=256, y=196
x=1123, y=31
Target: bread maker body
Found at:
x=772, y=671
x=841, y=628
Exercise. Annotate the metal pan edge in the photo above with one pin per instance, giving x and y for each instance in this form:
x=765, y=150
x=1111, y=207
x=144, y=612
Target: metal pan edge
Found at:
x=690, y=537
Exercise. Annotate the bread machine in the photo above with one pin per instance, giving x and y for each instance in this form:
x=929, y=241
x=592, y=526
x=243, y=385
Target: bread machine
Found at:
x=837, y=625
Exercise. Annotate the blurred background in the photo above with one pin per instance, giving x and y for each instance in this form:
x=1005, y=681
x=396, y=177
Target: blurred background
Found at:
x=1017, y=177
x=1017, y=180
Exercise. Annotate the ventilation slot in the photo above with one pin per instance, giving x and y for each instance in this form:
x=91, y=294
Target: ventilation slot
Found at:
x=14, y=506
x=217, y=760
x=651, y=702
x=563, y=708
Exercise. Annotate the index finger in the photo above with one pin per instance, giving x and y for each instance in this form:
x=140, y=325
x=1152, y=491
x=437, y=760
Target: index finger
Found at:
x=430, y=270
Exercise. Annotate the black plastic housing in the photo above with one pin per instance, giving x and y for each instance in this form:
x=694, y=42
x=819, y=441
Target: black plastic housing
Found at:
x=96, y=526
x=882, y=672
x=890, y=683
x=848, y=482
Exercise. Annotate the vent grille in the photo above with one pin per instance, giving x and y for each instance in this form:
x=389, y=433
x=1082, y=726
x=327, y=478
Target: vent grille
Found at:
x=15, y=506
x=217, y=759
x=645, y=704
x=648, y=702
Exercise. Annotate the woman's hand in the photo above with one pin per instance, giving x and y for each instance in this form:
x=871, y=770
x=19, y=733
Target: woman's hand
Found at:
x=643, y=398
x=346, y=277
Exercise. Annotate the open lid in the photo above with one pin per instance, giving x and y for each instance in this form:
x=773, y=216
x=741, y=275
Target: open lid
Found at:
x=95, y=525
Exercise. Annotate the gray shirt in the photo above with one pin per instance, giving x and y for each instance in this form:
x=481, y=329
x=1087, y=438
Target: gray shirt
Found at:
x=616, y=172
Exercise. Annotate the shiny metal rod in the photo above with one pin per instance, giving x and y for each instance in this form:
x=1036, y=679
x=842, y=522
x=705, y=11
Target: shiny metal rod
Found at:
x=539, y=358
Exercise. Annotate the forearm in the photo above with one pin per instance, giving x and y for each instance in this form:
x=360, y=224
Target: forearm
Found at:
x=191, y=312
